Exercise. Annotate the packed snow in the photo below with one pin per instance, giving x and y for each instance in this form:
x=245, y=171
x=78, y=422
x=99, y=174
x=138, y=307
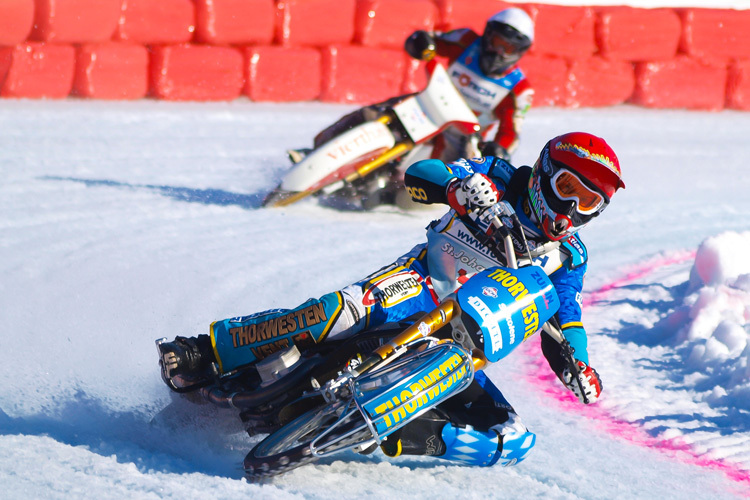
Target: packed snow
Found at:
x=125, y=222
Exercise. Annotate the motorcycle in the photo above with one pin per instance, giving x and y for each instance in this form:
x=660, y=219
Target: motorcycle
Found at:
x=352, y=394
x=362, y=164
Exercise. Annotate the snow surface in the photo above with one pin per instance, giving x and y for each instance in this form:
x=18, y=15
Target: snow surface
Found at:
x=124, y=222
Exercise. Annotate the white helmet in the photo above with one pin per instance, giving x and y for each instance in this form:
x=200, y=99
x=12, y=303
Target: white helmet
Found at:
x=507, y=36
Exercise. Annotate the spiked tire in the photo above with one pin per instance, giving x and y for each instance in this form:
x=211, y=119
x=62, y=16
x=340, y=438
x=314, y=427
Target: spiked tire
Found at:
x=322, y=428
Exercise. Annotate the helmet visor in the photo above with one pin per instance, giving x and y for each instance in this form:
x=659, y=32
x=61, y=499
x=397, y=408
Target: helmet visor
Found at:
x=568, y=186
x=499, y=44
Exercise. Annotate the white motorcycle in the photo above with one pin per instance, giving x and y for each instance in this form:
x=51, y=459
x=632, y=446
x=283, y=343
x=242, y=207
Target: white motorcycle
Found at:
x=365, y=164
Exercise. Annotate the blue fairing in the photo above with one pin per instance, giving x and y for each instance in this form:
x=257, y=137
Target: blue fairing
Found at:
x=509, y=305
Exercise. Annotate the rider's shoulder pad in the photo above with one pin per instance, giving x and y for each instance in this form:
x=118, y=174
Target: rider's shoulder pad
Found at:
x=576, y=250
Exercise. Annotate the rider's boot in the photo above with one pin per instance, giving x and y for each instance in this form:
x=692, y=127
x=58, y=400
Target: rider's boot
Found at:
x=186, y=361
x=423, y=436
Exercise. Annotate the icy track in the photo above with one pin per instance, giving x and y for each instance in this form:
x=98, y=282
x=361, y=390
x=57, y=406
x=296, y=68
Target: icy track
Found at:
x=124, y=222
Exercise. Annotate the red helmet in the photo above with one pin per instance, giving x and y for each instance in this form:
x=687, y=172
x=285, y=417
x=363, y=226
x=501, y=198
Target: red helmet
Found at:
x=572, y=182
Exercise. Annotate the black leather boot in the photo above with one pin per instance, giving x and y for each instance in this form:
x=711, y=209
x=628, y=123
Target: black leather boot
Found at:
x=423, y=436
x=186, y=361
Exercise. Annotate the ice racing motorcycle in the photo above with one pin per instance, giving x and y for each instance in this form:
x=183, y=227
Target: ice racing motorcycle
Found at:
x=361, y=164
x=352, y=394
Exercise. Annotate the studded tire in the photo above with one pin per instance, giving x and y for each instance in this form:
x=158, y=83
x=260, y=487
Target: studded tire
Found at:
x=289, y=447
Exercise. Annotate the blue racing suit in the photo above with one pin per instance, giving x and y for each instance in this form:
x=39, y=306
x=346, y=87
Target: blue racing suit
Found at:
x=417, y=282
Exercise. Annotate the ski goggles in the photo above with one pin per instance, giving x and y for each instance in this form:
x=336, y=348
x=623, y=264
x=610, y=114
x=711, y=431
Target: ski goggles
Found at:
x=568, y=186
x=506, y=40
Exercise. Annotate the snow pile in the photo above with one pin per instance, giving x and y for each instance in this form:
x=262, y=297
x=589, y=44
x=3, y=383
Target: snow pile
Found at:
x=715, y=341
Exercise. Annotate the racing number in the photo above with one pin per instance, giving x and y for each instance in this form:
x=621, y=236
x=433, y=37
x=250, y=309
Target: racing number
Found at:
x=418, y=194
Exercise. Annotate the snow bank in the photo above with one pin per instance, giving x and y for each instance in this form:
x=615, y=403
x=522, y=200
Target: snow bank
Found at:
x=714, y=339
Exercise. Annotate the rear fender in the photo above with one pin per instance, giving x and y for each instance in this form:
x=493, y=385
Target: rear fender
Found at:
x=338, y=158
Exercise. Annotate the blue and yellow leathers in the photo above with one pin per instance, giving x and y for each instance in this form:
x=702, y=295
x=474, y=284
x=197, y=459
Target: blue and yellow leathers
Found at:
x=455, y=254
x=416, y=282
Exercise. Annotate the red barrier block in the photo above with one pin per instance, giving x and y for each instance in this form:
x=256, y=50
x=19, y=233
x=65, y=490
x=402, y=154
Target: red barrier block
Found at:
x=714, y=34
x=738, y=85
x=75, y=21
x=235, y=21
x=563, y=31
x=680, y=83
x=314, y=22
x=16, y=19
x=362, y=75
x=472, y=14
x=548, y=77
x=280, y=74
x=111, y=70
x=598, y=82
x=387, y=23
x=37, y=70
x=631, y=34
x=156, y=22
x=196, y=73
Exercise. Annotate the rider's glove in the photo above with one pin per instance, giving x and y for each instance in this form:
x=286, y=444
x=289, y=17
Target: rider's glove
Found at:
x=471, y=193
x=494, y=149
x=590, y=381
x=420, y=45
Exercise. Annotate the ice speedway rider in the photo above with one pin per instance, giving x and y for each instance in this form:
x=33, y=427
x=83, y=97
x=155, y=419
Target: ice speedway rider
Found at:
x=571, y=183
x=484, y=69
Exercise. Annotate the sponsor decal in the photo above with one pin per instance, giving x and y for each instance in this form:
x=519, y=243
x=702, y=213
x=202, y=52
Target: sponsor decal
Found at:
x=489, y=322
x=489, y=291
x=393, y=289
x=465, y=80
x=575, y=243
x=278, y=326
x=420, y=393
x=354, y=144
x=424, y=329
x=518, y=290
x=464, y=259
x=509, y=322
x=417, y=194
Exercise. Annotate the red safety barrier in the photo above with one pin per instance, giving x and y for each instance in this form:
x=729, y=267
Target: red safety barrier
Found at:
x=680, y=83
x=387, y=23
x=472, y=14
x=631, y=34
x=314, y=23
x=598, y=82
x=278, y=74
x=235, y=21
x=16, y=20
x=563, y=31
x=75, y=21
x=156, y=22
x=37, y=70
x=738, y=85
x=196, y=73
x=365, y=75
x=715, y=34
x=111, y=70
x=548, y=77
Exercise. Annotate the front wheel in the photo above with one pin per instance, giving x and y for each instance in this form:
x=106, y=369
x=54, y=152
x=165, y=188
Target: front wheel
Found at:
x=322, y=431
